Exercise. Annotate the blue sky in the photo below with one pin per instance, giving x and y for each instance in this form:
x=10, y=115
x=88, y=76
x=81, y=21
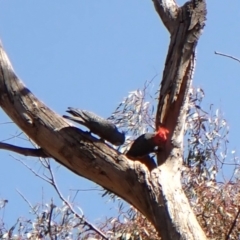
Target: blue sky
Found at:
x=90, y=54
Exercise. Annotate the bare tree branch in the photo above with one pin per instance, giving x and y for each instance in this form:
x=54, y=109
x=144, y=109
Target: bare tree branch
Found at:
x=25, y=199
x=44, y=178
x=51, y=180
x=78, y=151
x=52, y=206
x=24, y=151
x=158, y=195
x=225, y=55
x=91, y=226
x=171, y=112
x=168, y=11
x=233, y=225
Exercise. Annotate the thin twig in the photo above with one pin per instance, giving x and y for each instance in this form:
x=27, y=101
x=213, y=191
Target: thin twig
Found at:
x=24, y=151
x=91, y=226
x=83, y=190
x=233, y=225
x=229, y=56
x=52, y=206
x=5, y=123
x=12, y=137
x=46, y=179
x=51, y=181
x=29, y=204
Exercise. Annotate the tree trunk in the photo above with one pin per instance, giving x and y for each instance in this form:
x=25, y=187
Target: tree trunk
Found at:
x=158, y=195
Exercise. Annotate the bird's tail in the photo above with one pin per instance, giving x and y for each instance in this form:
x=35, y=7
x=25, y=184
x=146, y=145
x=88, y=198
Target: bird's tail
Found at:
x=77, y=115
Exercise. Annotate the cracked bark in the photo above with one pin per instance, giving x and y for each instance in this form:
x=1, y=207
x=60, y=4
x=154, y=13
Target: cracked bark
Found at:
x=158, y=195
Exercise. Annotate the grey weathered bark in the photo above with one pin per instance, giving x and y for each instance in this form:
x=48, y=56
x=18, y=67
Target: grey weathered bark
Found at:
x=158, y=195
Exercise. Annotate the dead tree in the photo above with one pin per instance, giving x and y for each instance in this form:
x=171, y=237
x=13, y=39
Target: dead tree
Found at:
x=159, y=194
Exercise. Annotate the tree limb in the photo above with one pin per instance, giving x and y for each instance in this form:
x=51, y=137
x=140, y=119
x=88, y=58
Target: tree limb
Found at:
x=167, y=10
x=78, y=151
x=171, y=112
x=24, y=151
x=159, y=195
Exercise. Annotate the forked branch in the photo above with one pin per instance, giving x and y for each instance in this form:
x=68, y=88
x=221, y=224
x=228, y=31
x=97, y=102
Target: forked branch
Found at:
x=158, y=196
x=78, y=151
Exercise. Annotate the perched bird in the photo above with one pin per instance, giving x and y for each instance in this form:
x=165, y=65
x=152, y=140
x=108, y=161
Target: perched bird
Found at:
x=146, y=144
x=97, y=125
